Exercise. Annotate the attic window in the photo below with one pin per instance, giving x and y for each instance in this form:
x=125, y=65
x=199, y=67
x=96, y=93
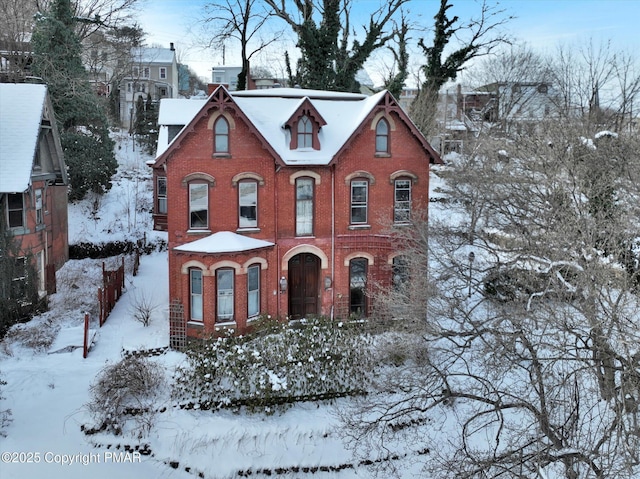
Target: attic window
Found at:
x=221, y=134
x=305, y=132
x=382, y=136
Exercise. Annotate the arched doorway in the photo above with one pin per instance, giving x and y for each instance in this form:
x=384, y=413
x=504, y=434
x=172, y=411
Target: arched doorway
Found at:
x=304, y=274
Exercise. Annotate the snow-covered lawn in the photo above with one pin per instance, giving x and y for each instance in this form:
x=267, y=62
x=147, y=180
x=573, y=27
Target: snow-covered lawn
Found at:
x=44, y=395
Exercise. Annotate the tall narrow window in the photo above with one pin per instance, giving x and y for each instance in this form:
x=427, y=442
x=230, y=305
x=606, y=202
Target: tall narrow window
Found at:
x=382, y=136
x=39, y=213
x=305, y=132
x=162, y=195
x=304, y=207
x=224, y=280
x=163, y=73
x=253, y=290
x=221, y=133
x=400, y=272
x=195, y=290
x=357, y=287
x=402, y=201
x=198, y=205
x=15, y=210
x=359, y=201
x=248, y=204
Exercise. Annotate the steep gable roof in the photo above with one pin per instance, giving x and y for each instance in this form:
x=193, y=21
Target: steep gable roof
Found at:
x=269, y=112
x=22, y=107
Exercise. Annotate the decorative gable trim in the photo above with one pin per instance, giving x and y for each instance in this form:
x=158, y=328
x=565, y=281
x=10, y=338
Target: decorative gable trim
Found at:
x=305, y=108
x=219, y=102
x=386, y=106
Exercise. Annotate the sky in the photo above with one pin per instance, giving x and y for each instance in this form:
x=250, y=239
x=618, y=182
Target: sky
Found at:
x=542, y=24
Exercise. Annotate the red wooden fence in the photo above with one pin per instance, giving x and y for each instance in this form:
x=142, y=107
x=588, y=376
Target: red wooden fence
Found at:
x=112, y=286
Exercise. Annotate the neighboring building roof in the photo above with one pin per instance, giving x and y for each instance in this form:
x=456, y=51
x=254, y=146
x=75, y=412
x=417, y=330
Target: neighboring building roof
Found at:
x=224, y=242
x=269, y=111
x=21, y=110
x=146, y=55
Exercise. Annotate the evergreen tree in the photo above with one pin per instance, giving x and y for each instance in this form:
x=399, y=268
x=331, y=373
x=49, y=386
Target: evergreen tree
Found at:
x=146, y=124
x=330, y=61
x=83, y=126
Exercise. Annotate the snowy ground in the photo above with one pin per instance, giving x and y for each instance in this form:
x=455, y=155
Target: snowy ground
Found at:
x=46, y=393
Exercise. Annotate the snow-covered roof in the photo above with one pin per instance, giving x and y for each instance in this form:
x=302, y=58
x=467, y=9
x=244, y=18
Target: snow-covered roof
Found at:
x=178, y=111
x=270, y=109
x=223, y=242
x=21, y=110
x=342, y=112
x=147, y=55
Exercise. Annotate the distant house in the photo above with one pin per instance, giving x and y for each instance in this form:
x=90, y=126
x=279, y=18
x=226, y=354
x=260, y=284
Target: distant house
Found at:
x=153, y=71
x=33, y=179
x=280, y=202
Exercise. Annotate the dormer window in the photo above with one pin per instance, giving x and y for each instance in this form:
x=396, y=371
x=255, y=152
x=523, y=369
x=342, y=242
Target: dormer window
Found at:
x=382, y=136
x=305, y=132
x=221, y=136
x=304, y=126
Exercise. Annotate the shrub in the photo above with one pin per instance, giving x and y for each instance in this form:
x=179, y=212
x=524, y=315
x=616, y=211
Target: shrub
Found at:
x=275, y=367
x=124, y=393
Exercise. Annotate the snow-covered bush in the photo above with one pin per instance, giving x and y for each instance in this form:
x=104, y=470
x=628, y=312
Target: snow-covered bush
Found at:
x=125, y=393
x=275, y=367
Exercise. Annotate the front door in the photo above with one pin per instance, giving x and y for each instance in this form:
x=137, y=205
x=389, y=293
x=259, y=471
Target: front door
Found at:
x=304, y=271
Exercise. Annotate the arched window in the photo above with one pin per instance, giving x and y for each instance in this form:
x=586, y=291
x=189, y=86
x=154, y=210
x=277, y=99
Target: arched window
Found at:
x=382, y=136
x=357, y=287
x=198, y=206
x=248, y=204
x=221, y=136
x=359, y=201
x=253, y=290
x=304, y=206
x=402, y=201
x=305, y=132
x=225, y=296
x=195, y=292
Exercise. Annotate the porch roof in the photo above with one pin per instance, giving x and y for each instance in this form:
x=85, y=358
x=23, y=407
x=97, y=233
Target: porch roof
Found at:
x=223, y=242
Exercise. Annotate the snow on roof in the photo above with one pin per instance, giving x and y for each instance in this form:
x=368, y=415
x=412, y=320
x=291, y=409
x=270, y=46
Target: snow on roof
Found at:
x=178, y=111
x=223, y=242
x=175, y=112
x=270, y=109
x=21, y=109
x=343, y=112
x=153, y=55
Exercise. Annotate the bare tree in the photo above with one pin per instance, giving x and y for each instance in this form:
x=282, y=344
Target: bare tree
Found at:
x=330, y=58
x=518, y=81
x=597, y=83
x=528, y=364
x=243, y=21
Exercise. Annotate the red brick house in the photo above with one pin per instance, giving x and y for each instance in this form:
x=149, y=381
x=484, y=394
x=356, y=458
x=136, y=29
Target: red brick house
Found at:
x=33, y=180
x=280, y=201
